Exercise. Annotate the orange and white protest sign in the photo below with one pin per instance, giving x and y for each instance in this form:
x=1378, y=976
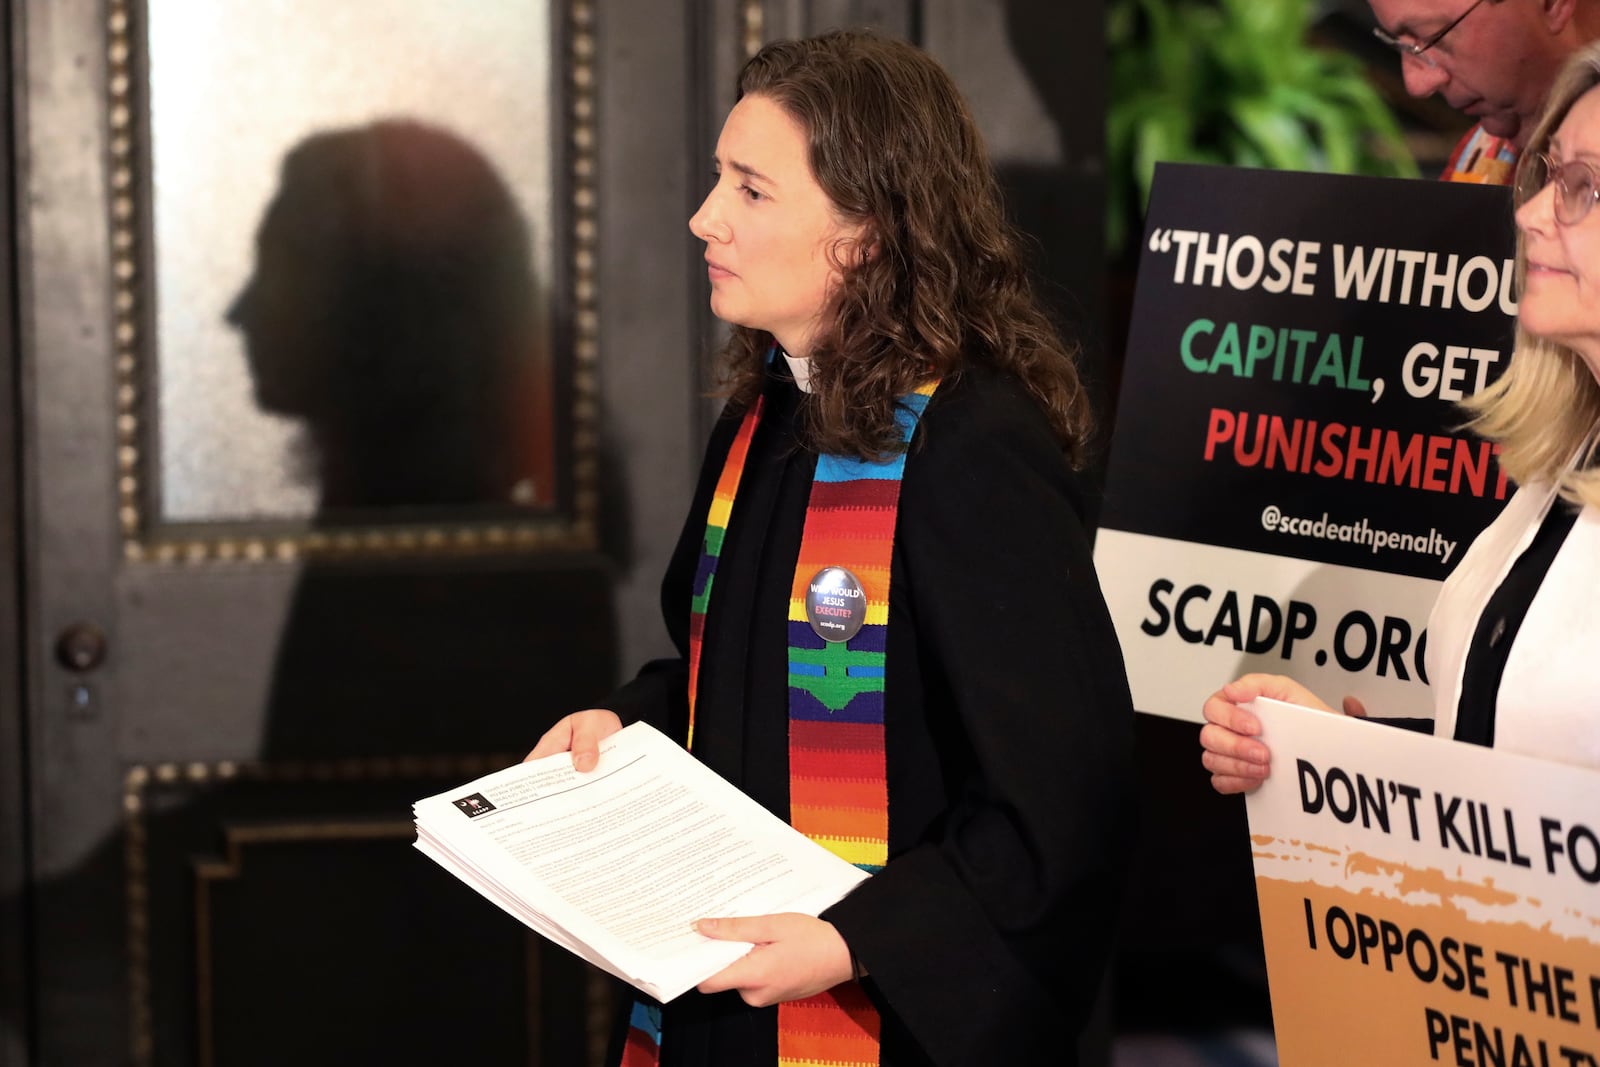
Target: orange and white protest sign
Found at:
x=1425, y=901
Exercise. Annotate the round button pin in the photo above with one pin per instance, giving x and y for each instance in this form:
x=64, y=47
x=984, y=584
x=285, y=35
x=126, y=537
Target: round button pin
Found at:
x=836, y=605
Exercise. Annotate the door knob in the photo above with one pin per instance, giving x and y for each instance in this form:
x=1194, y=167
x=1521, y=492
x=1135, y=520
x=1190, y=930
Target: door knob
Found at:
x=81, y=647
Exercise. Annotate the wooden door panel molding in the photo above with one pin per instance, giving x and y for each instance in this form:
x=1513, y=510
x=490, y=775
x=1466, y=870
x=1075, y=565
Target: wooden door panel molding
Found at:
x=456, y=504
x=256, y=865
x=270, y=643
x=230, y=866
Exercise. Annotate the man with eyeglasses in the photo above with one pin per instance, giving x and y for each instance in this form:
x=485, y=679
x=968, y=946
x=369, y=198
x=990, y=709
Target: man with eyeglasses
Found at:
x=1491, y=59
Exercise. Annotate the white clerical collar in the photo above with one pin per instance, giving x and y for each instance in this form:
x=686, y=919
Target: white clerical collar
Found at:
x=800, y=369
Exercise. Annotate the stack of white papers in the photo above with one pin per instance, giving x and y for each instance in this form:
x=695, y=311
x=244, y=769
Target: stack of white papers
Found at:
x=615, y=864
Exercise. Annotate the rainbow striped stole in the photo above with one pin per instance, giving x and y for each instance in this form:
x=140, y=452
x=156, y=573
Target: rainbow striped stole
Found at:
x=838, y=793
x=711, y=547
x=643, y=1045
x=838, y=779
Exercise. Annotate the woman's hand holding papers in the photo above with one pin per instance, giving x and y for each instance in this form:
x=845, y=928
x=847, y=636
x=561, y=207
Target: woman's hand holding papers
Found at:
x=1237, y=761
x=795, y=956
x=579, y=733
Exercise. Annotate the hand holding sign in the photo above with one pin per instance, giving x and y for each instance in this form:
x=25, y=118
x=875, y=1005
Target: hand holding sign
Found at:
x=1237, y=761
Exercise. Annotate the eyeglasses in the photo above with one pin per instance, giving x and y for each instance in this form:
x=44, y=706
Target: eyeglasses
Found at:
x=1577, y=185
x=1419, y=49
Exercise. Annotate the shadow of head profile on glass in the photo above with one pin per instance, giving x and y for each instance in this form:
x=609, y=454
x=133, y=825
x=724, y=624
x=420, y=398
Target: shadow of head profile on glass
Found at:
x=394, y=309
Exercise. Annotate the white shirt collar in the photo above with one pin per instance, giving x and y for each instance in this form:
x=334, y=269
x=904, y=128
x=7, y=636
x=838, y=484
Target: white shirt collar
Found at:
x=801, y=370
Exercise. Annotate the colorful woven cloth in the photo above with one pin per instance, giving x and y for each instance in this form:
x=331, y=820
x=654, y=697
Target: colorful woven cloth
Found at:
x=838, y=781
x=838, y=792
x=643, y=1047
x=1482, y=159
x=711, y=547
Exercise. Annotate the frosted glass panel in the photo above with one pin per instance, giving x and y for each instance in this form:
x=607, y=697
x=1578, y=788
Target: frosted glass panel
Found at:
x=352, y=247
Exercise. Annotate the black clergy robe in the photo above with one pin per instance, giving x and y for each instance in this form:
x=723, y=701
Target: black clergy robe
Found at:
x=1008, y=723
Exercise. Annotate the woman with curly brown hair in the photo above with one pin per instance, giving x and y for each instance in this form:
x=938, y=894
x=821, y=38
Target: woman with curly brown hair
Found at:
x=890, y=628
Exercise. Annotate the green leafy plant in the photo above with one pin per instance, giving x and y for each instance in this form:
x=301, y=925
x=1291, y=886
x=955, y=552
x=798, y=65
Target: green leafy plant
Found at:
x=1233, y=82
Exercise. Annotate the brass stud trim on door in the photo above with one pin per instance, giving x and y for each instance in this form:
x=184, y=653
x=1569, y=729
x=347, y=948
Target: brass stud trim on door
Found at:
x=575, y=528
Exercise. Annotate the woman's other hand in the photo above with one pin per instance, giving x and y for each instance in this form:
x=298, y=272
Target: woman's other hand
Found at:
x=579, y=733
x=1237, y=761
x=795, y=956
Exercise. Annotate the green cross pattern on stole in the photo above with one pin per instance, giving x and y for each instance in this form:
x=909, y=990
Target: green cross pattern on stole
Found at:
x=836, y=688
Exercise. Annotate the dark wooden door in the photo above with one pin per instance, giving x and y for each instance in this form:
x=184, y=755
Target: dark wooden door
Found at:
x=266, y=598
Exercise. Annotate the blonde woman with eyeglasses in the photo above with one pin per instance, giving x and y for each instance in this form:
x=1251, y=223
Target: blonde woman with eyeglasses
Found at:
x=1514, y=639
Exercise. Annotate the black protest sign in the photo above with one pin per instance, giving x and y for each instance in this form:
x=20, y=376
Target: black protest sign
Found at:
x=1298, y=349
